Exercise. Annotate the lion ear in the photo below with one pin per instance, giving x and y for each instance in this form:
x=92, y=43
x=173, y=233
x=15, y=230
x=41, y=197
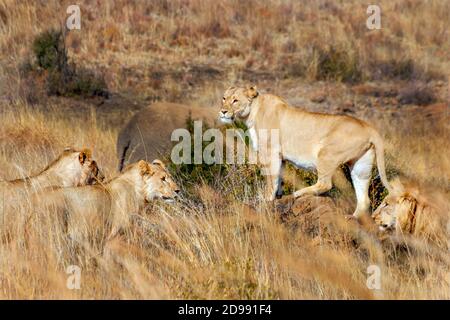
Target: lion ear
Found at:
x=159, y=163
x=84, y=154
x=251, y=92
x=144, y=168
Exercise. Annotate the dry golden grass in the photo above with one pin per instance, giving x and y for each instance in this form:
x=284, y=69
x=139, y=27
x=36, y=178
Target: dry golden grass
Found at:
x=166, y=48
x=217, y=246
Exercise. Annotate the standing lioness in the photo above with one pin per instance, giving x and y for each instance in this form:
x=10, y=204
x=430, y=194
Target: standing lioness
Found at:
x=309, y=140
x=102, y=210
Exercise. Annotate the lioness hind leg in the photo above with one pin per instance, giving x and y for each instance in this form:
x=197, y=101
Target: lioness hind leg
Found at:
x=361, y=172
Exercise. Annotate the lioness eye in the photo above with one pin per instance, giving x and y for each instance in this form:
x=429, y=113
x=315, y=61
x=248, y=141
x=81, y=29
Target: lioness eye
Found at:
x=163, y=178
x=223, y=98
x=234, y=101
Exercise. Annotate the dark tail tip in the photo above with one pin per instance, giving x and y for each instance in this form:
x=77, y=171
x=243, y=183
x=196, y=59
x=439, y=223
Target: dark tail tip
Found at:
x=122, y=158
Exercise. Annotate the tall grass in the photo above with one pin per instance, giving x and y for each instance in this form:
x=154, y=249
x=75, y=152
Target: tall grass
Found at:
x=219, y=241
x=308, y=39
x=214, y=247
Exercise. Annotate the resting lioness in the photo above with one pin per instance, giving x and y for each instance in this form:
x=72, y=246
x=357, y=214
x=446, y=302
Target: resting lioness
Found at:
x=310, y=140
x=103, y=210
x=71, y=168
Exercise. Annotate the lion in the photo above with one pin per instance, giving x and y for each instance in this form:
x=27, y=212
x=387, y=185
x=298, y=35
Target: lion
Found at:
x=408, y=210
x=321, y=142
x=148, y=133
x=72, y=168
x=102, y=211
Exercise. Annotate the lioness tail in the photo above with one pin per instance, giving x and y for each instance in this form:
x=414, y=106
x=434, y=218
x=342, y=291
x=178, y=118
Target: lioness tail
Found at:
x=378, y=144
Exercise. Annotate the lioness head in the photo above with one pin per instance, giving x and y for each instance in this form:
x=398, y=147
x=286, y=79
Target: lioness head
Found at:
x=158, y=183
x=236, y=103
x=77, y=168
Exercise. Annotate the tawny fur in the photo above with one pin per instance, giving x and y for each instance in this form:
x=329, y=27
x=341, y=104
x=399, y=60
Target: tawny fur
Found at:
x=109, y=205
x=411, y=210
x=147, y=135
x=72, y=168
x=310, y=140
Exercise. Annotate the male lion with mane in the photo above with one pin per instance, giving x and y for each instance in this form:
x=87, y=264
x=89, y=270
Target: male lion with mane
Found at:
x=410, y=210
x=309, y=140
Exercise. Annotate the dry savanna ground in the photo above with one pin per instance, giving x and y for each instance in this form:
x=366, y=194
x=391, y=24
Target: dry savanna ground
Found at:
x=220, y=241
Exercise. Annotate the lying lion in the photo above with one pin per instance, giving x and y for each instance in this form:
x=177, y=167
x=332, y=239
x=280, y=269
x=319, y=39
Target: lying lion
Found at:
x=72, y=168
x=101, y=211
x=408, y=210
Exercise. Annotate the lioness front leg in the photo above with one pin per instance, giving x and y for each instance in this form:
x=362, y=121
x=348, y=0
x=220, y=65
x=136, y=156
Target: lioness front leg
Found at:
x=321, y=186
x=273, y=172
x=324, y=180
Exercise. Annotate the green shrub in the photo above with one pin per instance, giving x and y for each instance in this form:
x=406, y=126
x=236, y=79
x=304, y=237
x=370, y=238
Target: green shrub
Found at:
x=49, y=50
x=337, y=64
x=377, y=191
x=63, y=78
x=231, y=179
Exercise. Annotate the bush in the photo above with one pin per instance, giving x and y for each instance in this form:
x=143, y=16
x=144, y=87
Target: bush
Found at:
x=49, y=50
x=63, y=78
x=337, y=64
x=84, y=83
x=403, y=69
x=235, y=180
x=416, y=93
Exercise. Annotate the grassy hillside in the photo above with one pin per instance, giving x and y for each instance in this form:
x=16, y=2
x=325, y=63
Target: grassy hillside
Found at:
x=222, y=243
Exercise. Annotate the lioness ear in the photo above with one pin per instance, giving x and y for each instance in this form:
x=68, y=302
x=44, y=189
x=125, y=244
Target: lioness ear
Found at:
x=159, y=163
x=144, y=168
x=251, y=92
x=84, y=154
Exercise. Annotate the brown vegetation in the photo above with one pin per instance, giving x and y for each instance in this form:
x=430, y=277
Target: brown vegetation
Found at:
x=221, y=241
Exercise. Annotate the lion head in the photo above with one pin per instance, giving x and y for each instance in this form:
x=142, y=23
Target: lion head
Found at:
x=386, y=215
x=236, y=103
x=399, y=209
x=409, y=210
x=158, y=183
x=76, y=168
